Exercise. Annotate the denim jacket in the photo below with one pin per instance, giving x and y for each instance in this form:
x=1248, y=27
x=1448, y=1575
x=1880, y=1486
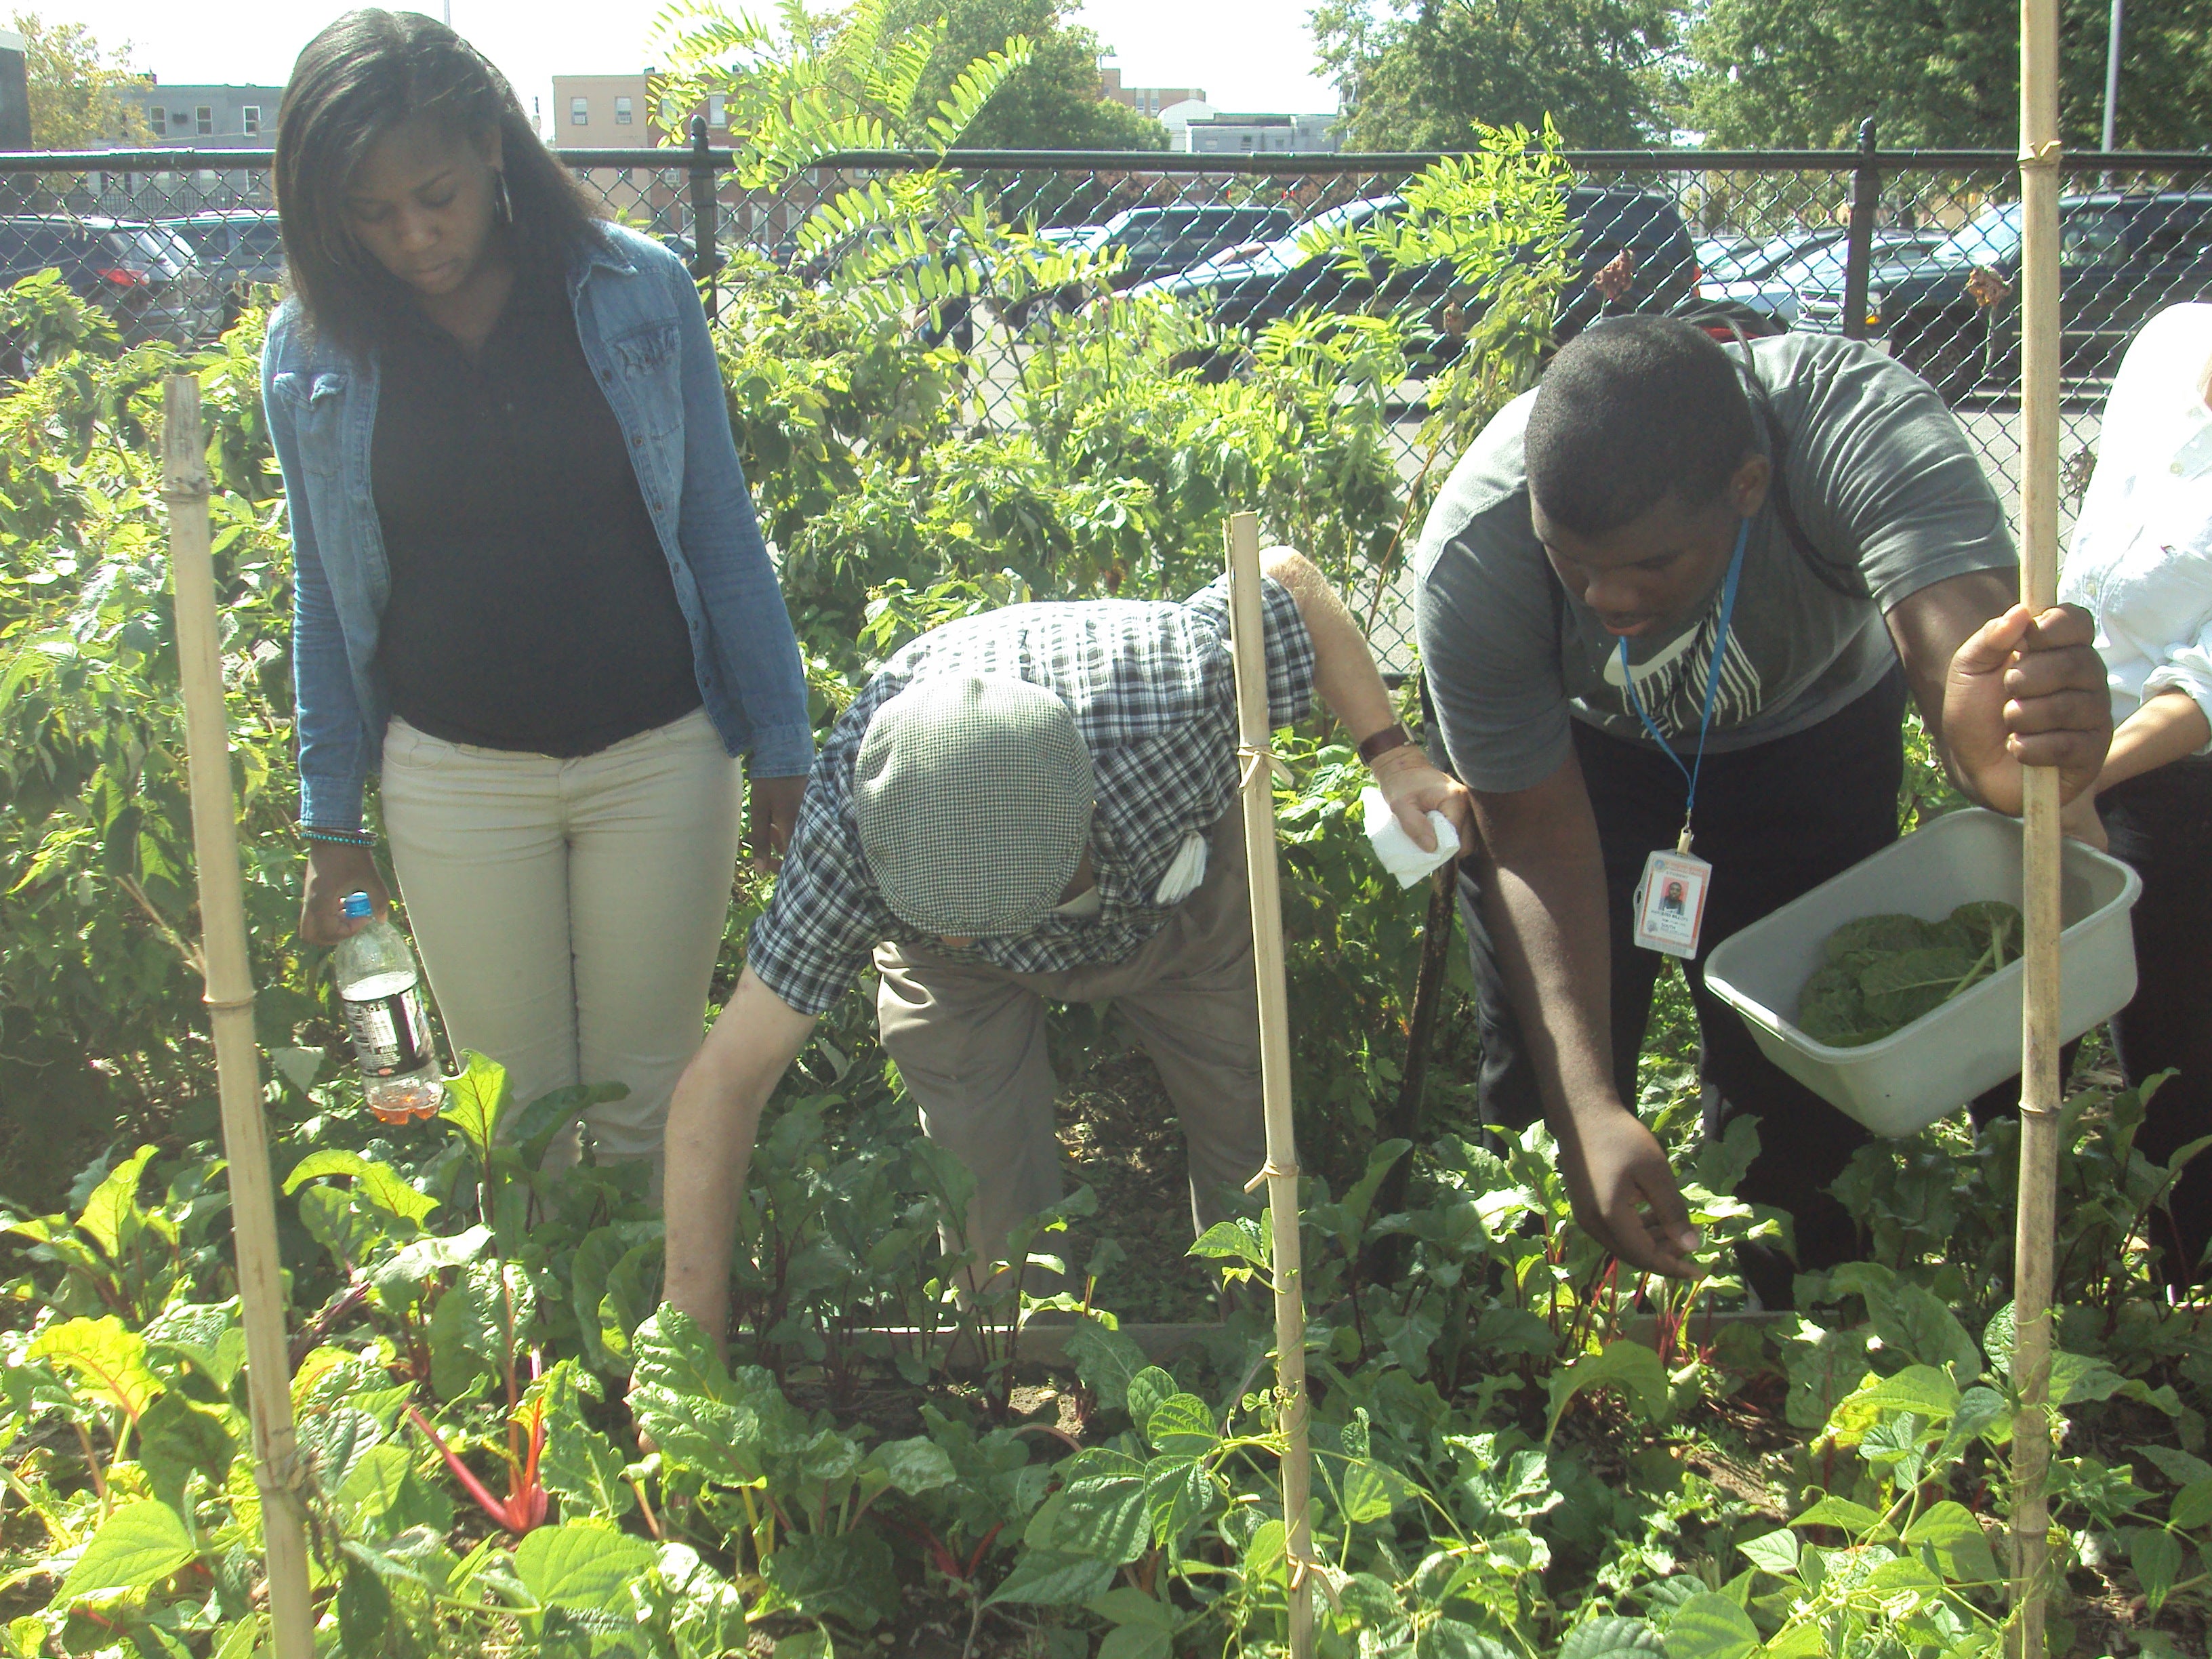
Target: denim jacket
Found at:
x=644, y=333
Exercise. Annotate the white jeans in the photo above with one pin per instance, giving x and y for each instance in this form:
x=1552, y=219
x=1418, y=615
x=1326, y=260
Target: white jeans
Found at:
x=569, y=912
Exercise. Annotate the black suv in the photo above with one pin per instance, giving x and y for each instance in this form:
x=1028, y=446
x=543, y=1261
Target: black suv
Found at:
x=1302, y=272
x=143, y=276
x=2122, y=259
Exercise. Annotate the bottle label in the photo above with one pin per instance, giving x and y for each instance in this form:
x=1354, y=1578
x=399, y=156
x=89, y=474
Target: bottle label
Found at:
x=390, y=1035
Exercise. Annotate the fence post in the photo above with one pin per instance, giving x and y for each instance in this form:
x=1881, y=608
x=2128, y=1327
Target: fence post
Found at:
x=1858, y=242
x=706, y=233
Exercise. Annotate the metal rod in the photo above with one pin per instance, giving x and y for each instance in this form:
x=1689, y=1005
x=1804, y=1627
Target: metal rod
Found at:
x=2112, y=75
x=706, y=232
x=2039, y=1064
x=1858, y=241
x=229, y=977
x=1248, y=639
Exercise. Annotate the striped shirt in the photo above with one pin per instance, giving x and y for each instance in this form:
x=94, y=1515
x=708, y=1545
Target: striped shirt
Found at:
x=1152, y=691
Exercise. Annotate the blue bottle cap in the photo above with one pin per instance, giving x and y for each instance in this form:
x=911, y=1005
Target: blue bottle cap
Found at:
x=354, y=905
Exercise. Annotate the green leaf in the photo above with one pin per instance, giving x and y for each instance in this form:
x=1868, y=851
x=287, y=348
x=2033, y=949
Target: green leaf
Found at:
x=475, y=1100
x=1855, y=1519
x=1773, y=1552
x=915, y=1465
x=1136, y=1641
x=374, y=1482
x=581, y=1565
x=2155, y=1555
x=2192, y=1506
x=379, y=1183
x=482, y=1317
x=399, y=1278
x=1104, y=1361
x=536, y=1124
x=1449, y=1638
x=1628, y=1366
x=332, y=1442
x=2177, y=1465
x=1607, y=1635
x=112, y=1216
x=1147, y=1389
x=1959, y=1549
x=1710, y=1626
x=1372, y=1490
x=1126, y=1606
x=1178, y=1495
x=846, y=1576
x=1102, y=1516
x=1054, y=1578
x=1236, y=1239
x=1921, y=1389
x=205, y=1335
x=136, y=1548
x=178, y=1438
x=364, y=1603
x=108, y=1358
x=1182, y=1424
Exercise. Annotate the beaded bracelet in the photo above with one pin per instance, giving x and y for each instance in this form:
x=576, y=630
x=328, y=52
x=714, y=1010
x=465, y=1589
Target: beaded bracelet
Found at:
x=338, y=837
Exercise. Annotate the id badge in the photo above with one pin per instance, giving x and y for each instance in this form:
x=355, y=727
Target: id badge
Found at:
x=1670, y=902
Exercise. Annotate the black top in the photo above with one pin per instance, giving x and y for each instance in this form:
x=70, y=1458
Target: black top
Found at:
x=531, y=606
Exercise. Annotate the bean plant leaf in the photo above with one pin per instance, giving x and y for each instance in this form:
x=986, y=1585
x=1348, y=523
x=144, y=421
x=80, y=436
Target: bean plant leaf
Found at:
x=1182, y=1423
x=583, y=1567
x=1710, y=1626
x=2155, y=1555
x=143, y=1543
x=179, y=1437
x=1136, y=1641
x=2181, y=1467
x=1954, y=1543
x=1178, y=1494
x=1054, y=1578
x=1773, y=1552
x=364, y=1605
x=2192, y=1506
x=1102, y=1516
x=1608, y=1635
x=1146, y=1390
x=1451, y=1638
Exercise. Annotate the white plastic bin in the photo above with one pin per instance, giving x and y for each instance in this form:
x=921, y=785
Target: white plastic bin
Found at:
x=1908, y=1079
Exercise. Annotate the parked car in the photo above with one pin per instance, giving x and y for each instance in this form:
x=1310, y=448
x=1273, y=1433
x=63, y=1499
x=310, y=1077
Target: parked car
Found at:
x=146, y=277
x=1953, y=314
x=1302, y=272
x=1155, y=242
x=240, y=248
x=1727, y=259
x=1819, y=269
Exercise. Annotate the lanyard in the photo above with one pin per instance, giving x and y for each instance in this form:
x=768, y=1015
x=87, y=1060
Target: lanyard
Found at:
x=1712, y=686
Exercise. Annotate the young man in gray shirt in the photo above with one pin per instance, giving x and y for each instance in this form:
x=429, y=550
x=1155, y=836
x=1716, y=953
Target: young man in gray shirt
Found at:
x=1753, y=553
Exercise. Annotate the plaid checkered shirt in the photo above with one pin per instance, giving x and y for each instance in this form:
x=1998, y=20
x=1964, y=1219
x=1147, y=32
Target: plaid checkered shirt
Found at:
x=1153, y=689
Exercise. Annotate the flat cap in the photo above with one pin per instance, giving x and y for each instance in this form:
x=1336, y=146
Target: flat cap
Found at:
x=974, y=797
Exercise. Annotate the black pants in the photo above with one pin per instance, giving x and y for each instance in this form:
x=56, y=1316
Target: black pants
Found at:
x=2161, y=824
x=1774, y=821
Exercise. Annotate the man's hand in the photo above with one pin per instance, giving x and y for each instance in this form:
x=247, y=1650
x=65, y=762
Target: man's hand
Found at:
x=2025, y=691
x=1414, y=789
x=772, y=807
x=1624, y=1195
x=333, y=870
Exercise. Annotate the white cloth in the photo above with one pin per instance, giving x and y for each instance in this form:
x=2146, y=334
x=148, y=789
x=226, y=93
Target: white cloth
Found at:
x=1184, y=873
x=2140, y=561
x=1401, y=855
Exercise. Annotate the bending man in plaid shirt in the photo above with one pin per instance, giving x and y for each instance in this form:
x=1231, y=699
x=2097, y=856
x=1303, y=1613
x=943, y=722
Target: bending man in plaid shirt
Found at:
x=1037, y=804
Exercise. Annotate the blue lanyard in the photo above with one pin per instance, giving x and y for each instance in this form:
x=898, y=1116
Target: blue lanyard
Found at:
x=1712, y=686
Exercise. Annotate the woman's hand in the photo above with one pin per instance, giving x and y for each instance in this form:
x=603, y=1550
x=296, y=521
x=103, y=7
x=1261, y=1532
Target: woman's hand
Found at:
x=333, y=870
x=772, y=808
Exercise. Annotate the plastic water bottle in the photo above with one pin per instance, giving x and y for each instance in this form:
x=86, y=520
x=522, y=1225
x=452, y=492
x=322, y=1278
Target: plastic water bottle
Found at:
x=382, y=992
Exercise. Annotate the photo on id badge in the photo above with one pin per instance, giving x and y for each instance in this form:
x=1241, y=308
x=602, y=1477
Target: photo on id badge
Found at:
x=1670, y=904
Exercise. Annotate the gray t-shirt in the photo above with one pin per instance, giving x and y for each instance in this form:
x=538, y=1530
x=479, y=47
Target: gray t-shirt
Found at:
x=1890, y=497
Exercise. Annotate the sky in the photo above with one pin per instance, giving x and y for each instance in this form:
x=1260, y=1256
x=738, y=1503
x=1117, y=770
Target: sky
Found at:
x=1247, y=54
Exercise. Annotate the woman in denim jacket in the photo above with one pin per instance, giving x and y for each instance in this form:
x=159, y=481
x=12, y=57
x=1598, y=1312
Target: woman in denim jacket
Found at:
x=531, y=590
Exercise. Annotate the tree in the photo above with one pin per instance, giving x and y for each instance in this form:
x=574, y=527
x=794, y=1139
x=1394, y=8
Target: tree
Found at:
x=77, y=85
x=1055, y=103
x=1424, y=73
x=1938, y=72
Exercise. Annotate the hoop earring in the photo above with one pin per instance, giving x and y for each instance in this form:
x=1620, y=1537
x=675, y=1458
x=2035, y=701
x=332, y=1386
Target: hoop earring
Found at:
x=502, y=210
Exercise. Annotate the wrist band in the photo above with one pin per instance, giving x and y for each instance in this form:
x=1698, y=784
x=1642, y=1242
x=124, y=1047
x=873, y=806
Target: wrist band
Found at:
x=338, y=837
x=1393, y=736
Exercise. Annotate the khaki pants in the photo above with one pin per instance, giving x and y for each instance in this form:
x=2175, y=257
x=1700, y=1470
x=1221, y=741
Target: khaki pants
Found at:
x=970, y=1040
x=569, y=912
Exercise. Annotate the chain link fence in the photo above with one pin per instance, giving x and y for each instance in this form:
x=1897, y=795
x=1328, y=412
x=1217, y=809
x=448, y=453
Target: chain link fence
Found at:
x=1916, y=251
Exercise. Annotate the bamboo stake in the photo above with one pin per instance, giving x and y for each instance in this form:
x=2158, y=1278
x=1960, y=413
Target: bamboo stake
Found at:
x=229, y=977
x=1282, y=1173
x=2040, y=1078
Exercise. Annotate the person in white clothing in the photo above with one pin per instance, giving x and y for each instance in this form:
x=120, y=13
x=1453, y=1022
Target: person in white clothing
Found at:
x=2140, y=564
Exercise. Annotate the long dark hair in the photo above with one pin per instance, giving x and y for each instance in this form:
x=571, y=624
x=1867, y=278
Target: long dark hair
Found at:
x=367, y=74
